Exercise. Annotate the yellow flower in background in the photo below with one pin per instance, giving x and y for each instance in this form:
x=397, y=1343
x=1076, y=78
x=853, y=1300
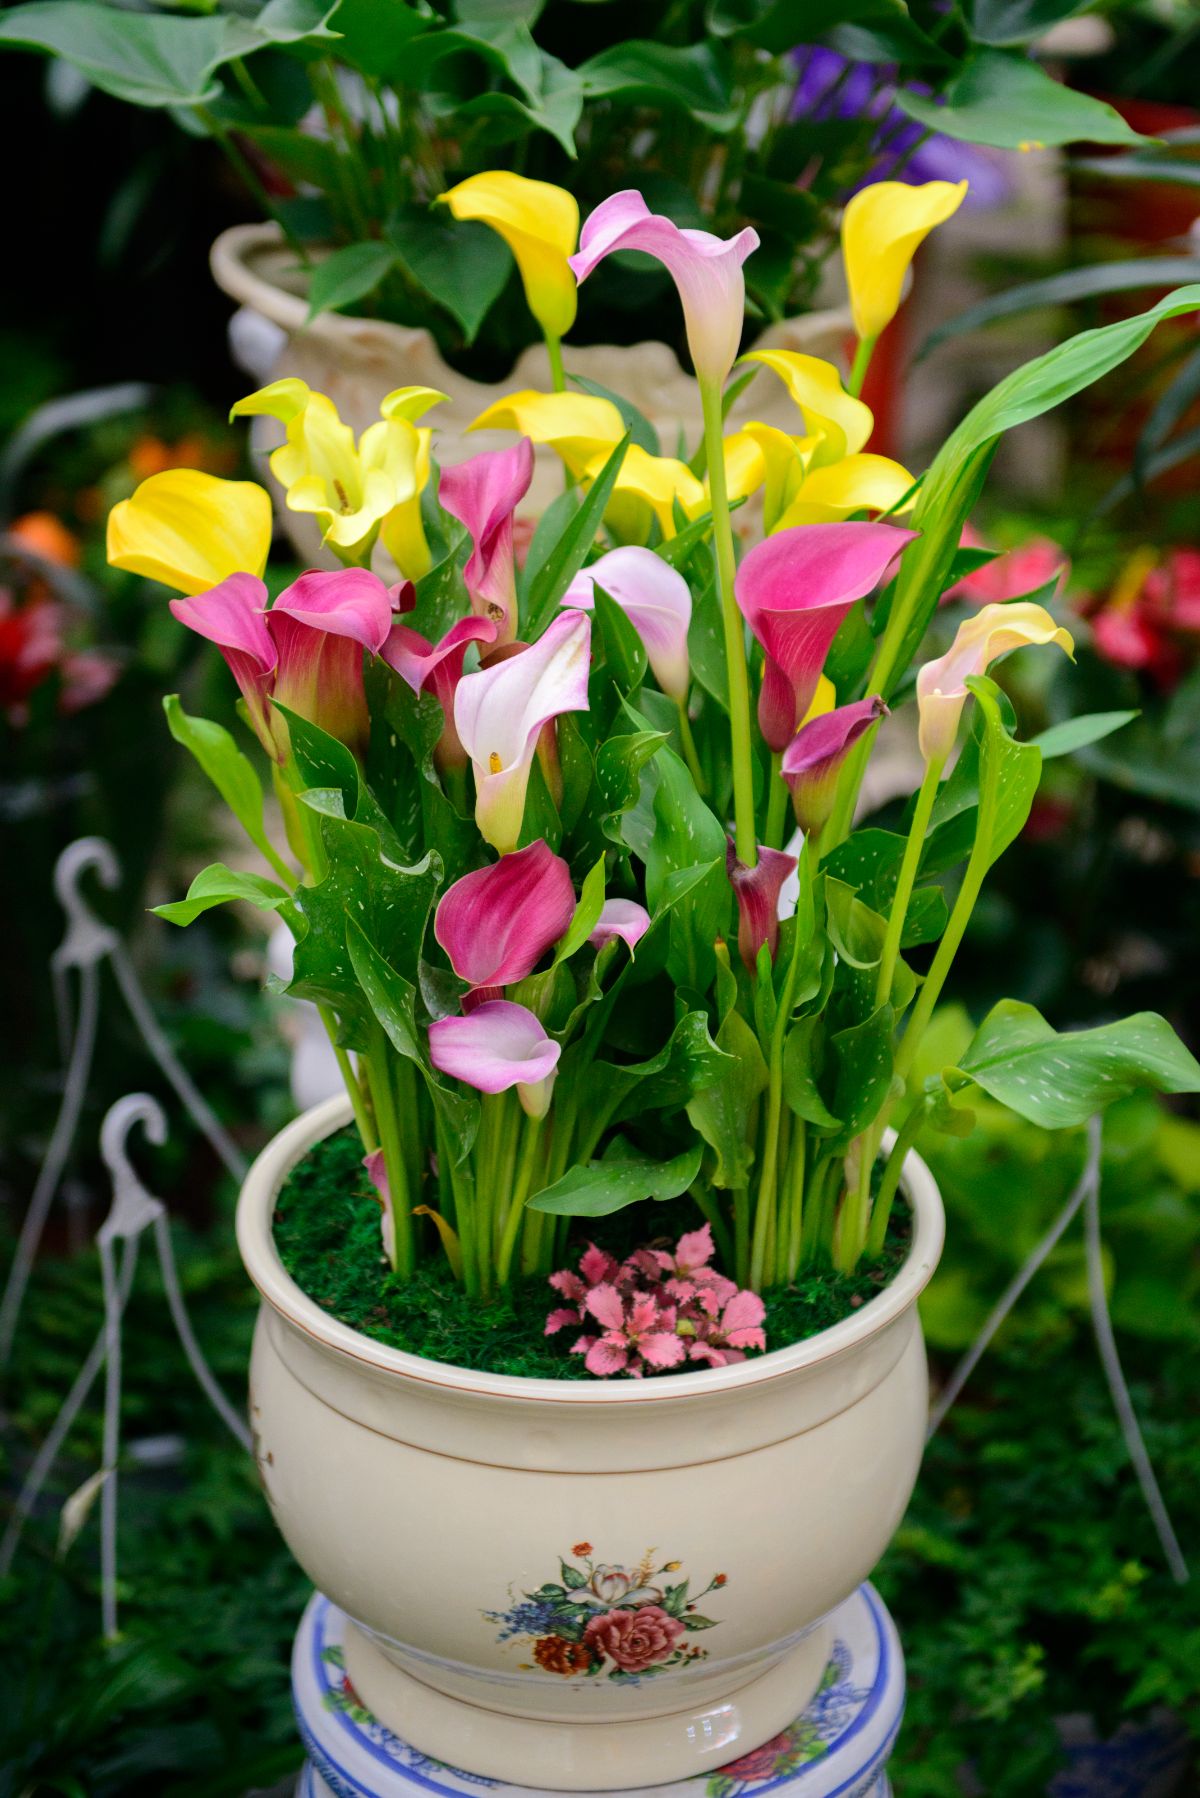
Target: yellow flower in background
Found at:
x=855, y=484
x=883, y=227
x=574, y=425
x=941, y=684
x=540, y=224
x=841, y=424
x=352, y=489
x=190, y=530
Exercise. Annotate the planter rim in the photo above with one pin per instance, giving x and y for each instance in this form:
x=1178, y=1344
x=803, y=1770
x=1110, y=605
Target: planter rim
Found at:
x=256, y=1204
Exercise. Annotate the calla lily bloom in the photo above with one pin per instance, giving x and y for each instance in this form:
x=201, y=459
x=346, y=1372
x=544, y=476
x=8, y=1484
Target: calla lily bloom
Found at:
x=757, y=893
x=575, y=425
x=841, y=424
x=190, y=530
x=483, y=493
x=540, y=225
x=782, y=464
x=941, y=684
x=435, y=668
x=499, y=713
x=657, y=602
x=863, y=483
x=377, y=1174
x=620, y=917
x=794, y=591
x=813, y=758
x=497, y=1046
x=707, y=271
x=883, y=227
x=351, y=489
x=647, y=489
x=496, y=923
x=305, y=652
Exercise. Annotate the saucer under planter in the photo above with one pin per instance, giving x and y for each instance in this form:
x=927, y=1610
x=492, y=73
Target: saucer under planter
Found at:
x=357, y=360
x=432, y=1504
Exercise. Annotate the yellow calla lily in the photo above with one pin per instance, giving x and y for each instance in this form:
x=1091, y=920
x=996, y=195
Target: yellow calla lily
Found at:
x=190, y=530
x=883, y=227
x=540, y=224
x=841, y=424
x=941, y=684
x=784, y=463
x=647, y=487
x=855, y=484
x=575, y=425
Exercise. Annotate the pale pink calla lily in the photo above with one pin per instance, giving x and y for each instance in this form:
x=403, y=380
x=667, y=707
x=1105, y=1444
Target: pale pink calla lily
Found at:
x=620, y=917
x=497, y=1046
x=994, y=631
x=496, y=924
x=305, y=652
x=499, y=713
x=707, y=270
x=657, y=602
x=813, y=758
x=794, y=590
x=483, y=494
x=757, y=893
x=377, y=1173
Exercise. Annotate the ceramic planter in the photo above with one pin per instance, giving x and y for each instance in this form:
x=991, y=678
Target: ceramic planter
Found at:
x=357, y=360
x=456, y=1516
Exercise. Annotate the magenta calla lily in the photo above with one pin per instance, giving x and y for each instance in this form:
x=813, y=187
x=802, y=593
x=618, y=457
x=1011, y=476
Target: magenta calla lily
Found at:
x=706, y=269
x=305, y=652
x=497, y=1046
x=620, y=917
x=483, y=494
x=794, y=590
x=499, y=713
x=497, y=923
x=657, y=602
x=813, y=758
x=757, y=892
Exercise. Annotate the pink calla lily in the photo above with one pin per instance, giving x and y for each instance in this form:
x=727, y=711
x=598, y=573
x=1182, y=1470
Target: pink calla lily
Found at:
x=757, y=893
x=305, y=652
x=657, y=602
x=499, y=713
x=437, y=668
x=620, y=917
x=483, y=494
x=706, y=269
x=377, y=1174
x=813, y=758
x=497, y=1046
x=496, y=924
x=794, y=590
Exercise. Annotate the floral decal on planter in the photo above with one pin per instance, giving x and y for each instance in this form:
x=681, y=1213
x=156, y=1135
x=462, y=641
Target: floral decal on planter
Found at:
x=834, y=1705
x=607, y=1621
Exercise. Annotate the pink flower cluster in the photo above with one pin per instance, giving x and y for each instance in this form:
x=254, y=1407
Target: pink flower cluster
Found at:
x=656, y=1310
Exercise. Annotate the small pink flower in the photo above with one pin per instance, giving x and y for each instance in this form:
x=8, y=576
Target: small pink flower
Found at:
x=635, y=1640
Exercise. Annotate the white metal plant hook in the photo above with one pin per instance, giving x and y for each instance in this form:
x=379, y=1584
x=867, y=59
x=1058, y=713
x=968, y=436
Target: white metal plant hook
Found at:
x=87, y=941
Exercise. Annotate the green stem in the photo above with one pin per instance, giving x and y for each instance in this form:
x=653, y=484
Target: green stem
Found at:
x=689, y=747
x=741, y=1235
x=862, y=361
x=358, y=1103
x=741, y=742
x=247, y=173
x=520, y=1192
x=906, y=1136
x=922, y=813
x=392, y=1143
x=795, y=1199
x=777, y=805
x=558, y=379
x=766, y=1203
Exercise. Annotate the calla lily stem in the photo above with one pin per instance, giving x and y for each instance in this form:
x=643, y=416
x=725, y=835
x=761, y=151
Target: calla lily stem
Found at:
x=922, y=812
x=688, y=743
x=745, y=836
x=862, y=361
x=777, y=806
x=558, y=379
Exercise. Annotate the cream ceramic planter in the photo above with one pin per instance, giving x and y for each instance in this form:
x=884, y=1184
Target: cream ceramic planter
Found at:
x=434, y=1505
x=358, y=360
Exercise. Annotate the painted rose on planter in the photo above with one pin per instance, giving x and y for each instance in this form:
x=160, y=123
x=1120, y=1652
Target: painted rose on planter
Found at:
x=609, y=1621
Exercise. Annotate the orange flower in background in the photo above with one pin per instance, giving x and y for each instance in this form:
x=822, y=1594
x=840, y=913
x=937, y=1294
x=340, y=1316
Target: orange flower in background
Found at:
x=151, y=455
x=46, y=536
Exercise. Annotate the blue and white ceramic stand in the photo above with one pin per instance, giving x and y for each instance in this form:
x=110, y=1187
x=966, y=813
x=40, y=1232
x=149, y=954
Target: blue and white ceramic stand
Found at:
x=838, y=1748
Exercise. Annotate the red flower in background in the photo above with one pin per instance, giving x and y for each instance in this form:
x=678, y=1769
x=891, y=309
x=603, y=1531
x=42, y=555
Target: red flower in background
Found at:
x=1150, y=622
x=34, y=628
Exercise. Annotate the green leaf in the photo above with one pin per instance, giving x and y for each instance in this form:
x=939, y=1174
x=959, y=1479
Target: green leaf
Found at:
x=460, y=263
x=721, y=1111
x=693, y=1621
x=347, y=275
x=621, y=1179
x=1060, y=1079
x=1009, y=773
x=624, y=651
x=1006, y=22
x=591, y=903
x=801, y=1053
x=571, y=551
x=219, y=885
x=687, y=1062
x=864, y=1056
x=323, y=761
x=619, y=764
x=572, y=1578
x=641, y=431
x=1004, y=99
x=375, y=35
x=1077, y=733
x=231, y=773
x=695, y=77
x=686, y=832
x=1066, y=289
x=148, y=59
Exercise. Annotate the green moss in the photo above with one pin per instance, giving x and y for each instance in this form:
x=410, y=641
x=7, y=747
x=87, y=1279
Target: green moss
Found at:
x=327, y=1232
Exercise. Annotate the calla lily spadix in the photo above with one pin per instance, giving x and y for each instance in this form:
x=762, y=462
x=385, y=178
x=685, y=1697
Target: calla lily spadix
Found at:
x=707, y=271
x=435, y=668
x=883, y=227
x=757, y=893
x=190, y=530
x=497, y=1046
x=483, y=493
x=814, y=757
x=657, y=602
x=941, y=684
x=496, y=923
x=305, y=652
x=499, y=713
x=540, y=224
x=623, y=918
x=794, y=590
